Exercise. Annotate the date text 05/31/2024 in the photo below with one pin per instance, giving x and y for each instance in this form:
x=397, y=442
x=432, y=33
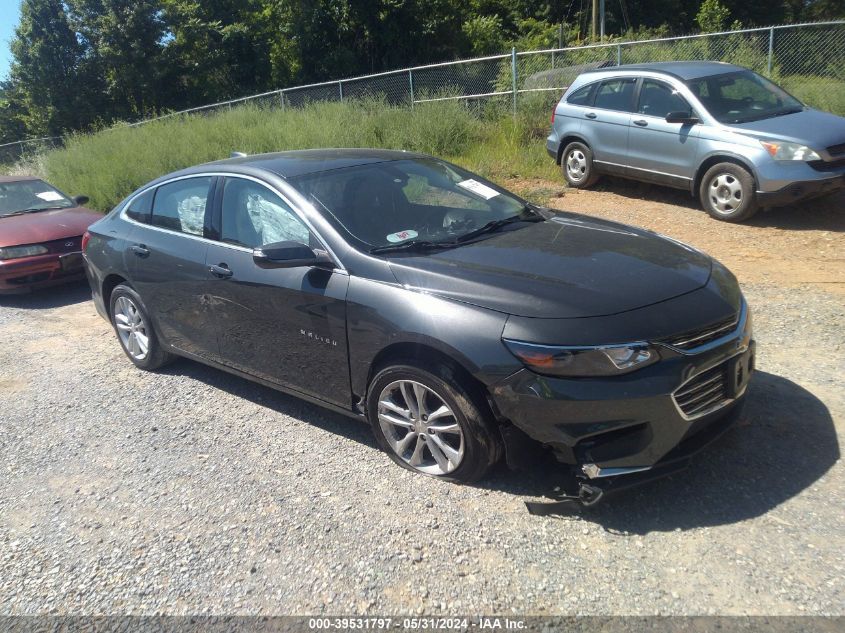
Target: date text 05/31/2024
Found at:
x=418, y=623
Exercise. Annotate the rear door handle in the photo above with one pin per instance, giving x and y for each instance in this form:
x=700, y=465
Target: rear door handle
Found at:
x=590, y=115
x=221, y=272
x=641, y=122
x=140, y=250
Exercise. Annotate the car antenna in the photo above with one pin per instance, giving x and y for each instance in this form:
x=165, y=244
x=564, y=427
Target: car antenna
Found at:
x=237, y=155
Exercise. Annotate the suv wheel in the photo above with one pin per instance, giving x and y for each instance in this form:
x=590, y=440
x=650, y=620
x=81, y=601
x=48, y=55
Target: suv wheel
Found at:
x=577, y=165
x=134, y=330
x=727, y=193
x=427, y=422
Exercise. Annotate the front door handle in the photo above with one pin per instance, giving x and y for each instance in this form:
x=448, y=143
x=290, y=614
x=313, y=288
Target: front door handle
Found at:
x=221, y=272
x=590, y=115
x=140, y=250
x=641, y=122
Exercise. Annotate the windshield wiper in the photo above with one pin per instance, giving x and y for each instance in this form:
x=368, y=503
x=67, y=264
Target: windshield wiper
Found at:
x=412, y=245
x=495, y=225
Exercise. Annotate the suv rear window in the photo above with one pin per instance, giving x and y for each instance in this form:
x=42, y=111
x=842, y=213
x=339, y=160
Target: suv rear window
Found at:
x=582, y=96
x=616, y=94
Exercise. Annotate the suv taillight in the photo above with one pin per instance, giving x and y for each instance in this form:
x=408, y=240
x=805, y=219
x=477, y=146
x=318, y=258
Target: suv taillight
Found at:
x=553, y=114
x=85, y=238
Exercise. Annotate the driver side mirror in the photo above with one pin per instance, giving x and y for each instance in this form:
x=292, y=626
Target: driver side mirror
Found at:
x=682, y=117
x=80, y=200
x=290, y=255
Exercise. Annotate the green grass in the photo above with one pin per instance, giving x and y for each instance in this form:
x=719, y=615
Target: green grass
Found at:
x=108, y=165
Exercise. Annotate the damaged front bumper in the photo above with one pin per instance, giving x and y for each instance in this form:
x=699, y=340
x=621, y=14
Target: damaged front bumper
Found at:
x=624, y=430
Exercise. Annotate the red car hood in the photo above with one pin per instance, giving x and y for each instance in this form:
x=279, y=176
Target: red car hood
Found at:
x=45, y=226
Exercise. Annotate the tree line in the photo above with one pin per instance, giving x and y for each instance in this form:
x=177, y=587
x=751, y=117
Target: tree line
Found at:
x=83, y=64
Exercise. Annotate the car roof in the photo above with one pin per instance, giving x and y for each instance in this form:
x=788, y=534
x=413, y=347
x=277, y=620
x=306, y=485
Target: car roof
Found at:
x=309, y=161
x=680, y=70
x=4, y=179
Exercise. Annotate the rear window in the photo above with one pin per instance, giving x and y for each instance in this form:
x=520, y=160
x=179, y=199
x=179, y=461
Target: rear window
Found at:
x=615, y=94
x=180, y=206
x=582, y=96
x=139, y=209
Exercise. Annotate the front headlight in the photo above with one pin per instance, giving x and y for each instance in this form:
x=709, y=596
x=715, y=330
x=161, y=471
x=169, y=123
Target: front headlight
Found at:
x=789, y=151
x=609, y=360
x=14, y=252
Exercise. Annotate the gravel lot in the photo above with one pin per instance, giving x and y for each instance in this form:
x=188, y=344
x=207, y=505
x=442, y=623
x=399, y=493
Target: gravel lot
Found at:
x=191, y=491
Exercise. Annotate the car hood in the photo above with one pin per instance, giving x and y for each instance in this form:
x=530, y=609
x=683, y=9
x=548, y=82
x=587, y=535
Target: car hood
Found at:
x=813, y=128
x=567, y=267
x=45, y=226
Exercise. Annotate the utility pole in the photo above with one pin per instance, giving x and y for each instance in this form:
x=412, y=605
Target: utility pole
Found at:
x=601, y=11
x=595, y=20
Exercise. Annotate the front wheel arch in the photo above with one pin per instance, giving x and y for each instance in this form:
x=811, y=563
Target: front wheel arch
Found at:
x=710, y=161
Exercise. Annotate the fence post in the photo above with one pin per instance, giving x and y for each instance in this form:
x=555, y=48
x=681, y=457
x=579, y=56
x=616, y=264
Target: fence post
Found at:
x=411, y=85
x=619, y=54
x=513, y=73
x=340, y=90
x=771, y=48
x=282, y=98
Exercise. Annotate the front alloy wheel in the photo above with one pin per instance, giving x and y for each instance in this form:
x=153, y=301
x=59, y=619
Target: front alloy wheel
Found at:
x=420, y=427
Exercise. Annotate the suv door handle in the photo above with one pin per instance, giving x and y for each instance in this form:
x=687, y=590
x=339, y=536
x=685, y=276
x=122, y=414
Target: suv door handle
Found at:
x=221, y=272
x=140, y=250
x=641, y=122
x=590, y=115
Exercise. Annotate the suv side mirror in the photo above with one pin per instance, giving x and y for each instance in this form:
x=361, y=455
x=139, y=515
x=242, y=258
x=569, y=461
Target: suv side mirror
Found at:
x=681, y=117
x=290, y=255
x=80, y=200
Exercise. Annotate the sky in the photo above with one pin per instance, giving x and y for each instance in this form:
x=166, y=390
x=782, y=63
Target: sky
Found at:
x=9, y=14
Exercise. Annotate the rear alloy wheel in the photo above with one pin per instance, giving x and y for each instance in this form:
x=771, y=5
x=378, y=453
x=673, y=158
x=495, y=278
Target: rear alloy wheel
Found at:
x=134, y=331
x=577, y=166
x=427, y=422
x=727, y=193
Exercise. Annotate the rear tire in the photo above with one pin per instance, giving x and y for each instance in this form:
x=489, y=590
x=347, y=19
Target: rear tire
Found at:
x=576, y=163
x=451, y=436
x=134, y=330
x=727, y=193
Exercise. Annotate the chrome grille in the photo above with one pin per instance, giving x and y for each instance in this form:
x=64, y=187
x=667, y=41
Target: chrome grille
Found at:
x=703, y=393
x=702, y=336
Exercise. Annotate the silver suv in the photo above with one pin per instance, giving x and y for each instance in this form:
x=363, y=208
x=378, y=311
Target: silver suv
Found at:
x=720, y=131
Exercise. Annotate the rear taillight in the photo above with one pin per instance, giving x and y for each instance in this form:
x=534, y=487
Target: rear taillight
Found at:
x=553, y=115
x=85, y=238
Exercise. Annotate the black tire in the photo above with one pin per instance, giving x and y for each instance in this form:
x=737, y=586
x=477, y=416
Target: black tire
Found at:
x=727, y=193
x=155, y=356
x=578, y=158
x=481, y=442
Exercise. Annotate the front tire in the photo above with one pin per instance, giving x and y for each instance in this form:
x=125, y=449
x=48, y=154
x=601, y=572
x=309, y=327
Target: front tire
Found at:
x=134, y=330
x=429, y=423
x=576, y=163
x=727, y=193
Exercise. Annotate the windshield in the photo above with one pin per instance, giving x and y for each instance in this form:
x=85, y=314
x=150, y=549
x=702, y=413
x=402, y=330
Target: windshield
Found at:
x=743, y=96
x=30, y=196
x=415, y=200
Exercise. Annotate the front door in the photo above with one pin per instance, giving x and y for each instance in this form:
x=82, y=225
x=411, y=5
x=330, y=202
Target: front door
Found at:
x=284, y=325
x=660, y=151
x=166, y=261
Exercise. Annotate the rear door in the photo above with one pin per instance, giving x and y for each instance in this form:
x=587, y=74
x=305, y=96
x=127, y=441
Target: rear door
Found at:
x=166, y=261
x=660, y=151
x=606, y=123
x=284, y=325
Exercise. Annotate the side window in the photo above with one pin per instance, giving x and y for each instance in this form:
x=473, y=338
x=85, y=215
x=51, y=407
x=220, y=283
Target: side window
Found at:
x=180, y=205
x=139, y=209
x=615, y=94
x=582, y=96
x=254, y=216
x=659, y=99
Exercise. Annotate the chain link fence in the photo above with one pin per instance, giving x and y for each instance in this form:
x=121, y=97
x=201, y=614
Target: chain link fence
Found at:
x=807, y=59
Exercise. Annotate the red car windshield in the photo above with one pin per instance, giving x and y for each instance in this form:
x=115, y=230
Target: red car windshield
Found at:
x=30, y=196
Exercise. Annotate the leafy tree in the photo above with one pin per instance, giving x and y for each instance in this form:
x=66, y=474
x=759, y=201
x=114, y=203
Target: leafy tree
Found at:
x=484, y=34
x=712, y=16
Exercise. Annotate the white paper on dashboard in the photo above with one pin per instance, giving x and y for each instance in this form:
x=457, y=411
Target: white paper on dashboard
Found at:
x=479, y=189
x=50, y=196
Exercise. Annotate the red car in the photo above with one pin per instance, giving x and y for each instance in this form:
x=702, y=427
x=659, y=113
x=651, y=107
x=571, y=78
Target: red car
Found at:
x=41, y=233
